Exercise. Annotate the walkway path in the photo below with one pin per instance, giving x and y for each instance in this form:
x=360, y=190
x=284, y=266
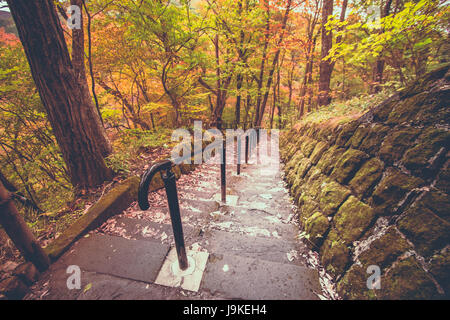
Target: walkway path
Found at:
x=253, y=245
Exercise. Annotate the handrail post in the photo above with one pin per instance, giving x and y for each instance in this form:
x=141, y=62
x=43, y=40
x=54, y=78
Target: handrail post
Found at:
x=169, y=179
x=223, y=163
x=174, y=209
x=247, y=142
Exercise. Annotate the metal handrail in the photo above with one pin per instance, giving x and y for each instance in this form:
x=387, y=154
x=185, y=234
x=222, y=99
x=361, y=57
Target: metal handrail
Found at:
x=169, y=179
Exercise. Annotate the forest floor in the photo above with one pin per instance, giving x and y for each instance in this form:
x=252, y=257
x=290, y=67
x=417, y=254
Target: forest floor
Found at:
x=255, y=247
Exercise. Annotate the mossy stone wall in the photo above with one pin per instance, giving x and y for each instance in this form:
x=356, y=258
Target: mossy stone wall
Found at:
x=375, y=191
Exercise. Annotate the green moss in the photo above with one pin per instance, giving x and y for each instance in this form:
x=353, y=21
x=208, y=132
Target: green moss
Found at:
x=417, y=159
x=308, y=206
x=348, y=164
x=392, y=189
x=319, y=150
x=372, y=142
x=427, y=231
x=316, y=226
x=407, y=281
x=406, y=109
x=296, y=188
x=328, y=160
x=346, y=133
x=440, y=269
x=303, y=167
x=367, y=176
x=326, y=135
x=381, y=113
x=358, y=137
x=438, y=202
x=352, y=219
x=332, y=196
x=294, y=161
x=396, y=143
x=308, y=146
x=314, y=183
x=385, y=250
x=335, y=254
x=353, y=285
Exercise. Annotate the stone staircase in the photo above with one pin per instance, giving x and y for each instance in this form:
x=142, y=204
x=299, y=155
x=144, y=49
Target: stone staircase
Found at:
x=252, y=241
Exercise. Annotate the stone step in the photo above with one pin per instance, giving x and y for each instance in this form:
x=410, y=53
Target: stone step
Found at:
x=119, y=257
x=261, y=248
x=238, y=277
x=253, y=222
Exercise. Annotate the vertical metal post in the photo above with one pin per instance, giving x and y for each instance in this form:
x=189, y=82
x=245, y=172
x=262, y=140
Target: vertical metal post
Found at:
x=223, y=171
x=223, y=163
x=247, y=142
x=174, y=208
x=239, y=147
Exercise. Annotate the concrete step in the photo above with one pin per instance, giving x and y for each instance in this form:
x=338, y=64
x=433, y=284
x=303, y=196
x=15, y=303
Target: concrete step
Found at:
x=238, y=277
x=261, y=248
x=253, y=222
x=119, y=257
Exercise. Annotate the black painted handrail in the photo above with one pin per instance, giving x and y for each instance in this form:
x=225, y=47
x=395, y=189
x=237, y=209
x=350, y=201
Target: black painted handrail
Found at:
x=169, y=179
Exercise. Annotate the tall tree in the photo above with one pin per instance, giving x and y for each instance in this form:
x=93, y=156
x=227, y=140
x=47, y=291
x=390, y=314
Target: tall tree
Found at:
x=326, y=68
x=260, y=115
x=379, y=64
x=68, y=105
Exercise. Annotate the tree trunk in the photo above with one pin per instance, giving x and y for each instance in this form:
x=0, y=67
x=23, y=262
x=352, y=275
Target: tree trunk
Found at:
x=79, y=68
x=262, y=108
x=379, y=64
x=68, y=106
x=326, y=68
x=20, y=234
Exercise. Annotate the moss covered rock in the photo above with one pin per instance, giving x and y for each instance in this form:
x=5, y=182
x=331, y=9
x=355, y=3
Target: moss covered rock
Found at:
x=440, y=269
x=335, y=254
x=358, y=137
x=319, y=150
x=406, y=280
x=352, y=219
x=396, y=143
x=385, y=250
x=346, y=133
x=332, y=196
x=372, y=142
x=308, y=206
x=443, y=180
x=303, y=167
x=348, y=164
x=316, y=226
x=392, y=189
x=419, y=158
x=308, y=146
x=438, y=202
x=353, y=285
x=328, y=159
x=369, y=174
x=426, y=230
x=406, y=109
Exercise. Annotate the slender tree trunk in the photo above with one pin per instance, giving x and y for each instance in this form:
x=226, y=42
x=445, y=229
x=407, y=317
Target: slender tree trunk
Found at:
x=68, y=105
x=324, y=97
x=260, y=116
x=378, y=69
x=78, y=56
x=263, y=64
